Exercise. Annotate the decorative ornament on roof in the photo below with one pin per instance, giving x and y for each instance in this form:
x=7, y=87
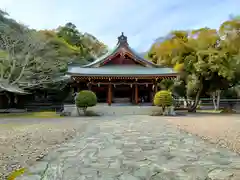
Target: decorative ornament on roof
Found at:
x=122, y=39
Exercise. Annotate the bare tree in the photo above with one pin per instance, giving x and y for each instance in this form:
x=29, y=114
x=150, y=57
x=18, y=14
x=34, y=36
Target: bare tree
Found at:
x=25, y=62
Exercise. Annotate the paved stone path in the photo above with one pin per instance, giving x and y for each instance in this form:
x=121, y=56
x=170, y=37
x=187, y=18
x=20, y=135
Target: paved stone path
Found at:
x=136, y=148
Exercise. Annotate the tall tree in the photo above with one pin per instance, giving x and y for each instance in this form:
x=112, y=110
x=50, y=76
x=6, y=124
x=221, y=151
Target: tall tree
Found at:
x=89, y=47
x=58, y=48
x=70, y=34
x=208, y=65
x=24, y=62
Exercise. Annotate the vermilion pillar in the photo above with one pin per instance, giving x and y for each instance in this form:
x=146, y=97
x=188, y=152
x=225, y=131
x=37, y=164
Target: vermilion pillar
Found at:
x=109, y=95
x=136, y=94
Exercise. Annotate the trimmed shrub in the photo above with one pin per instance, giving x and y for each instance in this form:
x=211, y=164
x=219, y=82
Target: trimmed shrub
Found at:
x=163, y=99
x=85, y=99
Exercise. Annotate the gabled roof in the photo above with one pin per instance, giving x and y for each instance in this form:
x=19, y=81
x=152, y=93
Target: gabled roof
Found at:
x=121, y=47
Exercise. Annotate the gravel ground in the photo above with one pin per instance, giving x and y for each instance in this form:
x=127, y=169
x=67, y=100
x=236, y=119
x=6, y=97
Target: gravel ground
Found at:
x=221, y=130
x=24, y=141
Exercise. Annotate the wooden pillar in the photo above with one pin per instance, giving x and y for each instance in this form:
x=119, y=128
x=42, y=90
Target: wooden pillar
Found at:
x=109, y=98
x=133, y=94
x=136, y=93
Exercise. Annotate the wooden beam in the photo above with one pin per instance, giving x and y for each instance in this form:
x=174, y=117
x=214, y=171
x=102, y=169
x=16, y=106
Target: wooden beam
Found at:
x=109, y=99
x=80, y=78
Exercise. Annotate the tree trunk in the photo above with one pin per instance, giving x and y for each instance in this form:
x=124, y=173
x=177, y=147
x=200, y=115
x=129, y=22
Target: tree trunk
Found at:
x=163, y=109
x=78, y=111
x=218, y=99
x=85, y=111
x=10, y=100
x=214, y=100
x=197, y=99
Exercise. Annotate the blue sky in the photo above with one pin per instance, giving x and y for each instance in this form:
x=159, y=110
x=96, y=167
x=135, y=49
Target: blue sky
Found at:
x=141, y=20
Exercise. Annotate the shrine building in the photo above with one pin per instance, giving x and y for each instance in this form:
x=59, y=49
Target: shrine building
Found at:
x=121, y=75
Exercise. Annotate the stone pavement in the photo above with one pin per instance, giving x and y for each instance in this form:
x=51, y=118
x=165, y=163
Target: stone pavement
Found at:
x=136, y=148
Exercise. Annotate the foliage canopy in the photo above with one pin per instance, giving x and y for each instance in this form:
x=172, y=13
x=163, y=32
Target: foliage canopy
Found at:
x=208, y=60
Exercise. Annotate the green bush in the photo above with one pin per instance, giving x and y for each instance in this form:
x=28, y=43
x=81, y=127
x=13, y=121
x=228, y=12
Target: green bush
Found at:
x=163, y=99
x=85, y=99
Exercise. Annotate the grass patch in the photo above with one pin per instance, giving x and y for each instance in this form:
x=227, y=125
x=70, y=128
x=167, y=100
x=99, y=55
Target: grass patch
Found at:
x=46, y=114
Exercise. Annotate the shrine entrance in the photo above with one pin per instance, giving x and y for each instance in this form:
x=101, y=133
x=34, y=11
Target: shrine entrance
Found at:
x=122, y=94
x=145, y=93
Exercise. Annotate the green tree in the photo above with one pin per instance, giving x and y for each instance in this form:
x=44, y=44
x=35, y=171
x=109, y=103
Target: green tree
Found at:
x=58, y=48
x=89, y=47
x=70, y=34
x=85, y=99
x=163, y=99
x=209, y=64
x=24, y=62
x=166, y=84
